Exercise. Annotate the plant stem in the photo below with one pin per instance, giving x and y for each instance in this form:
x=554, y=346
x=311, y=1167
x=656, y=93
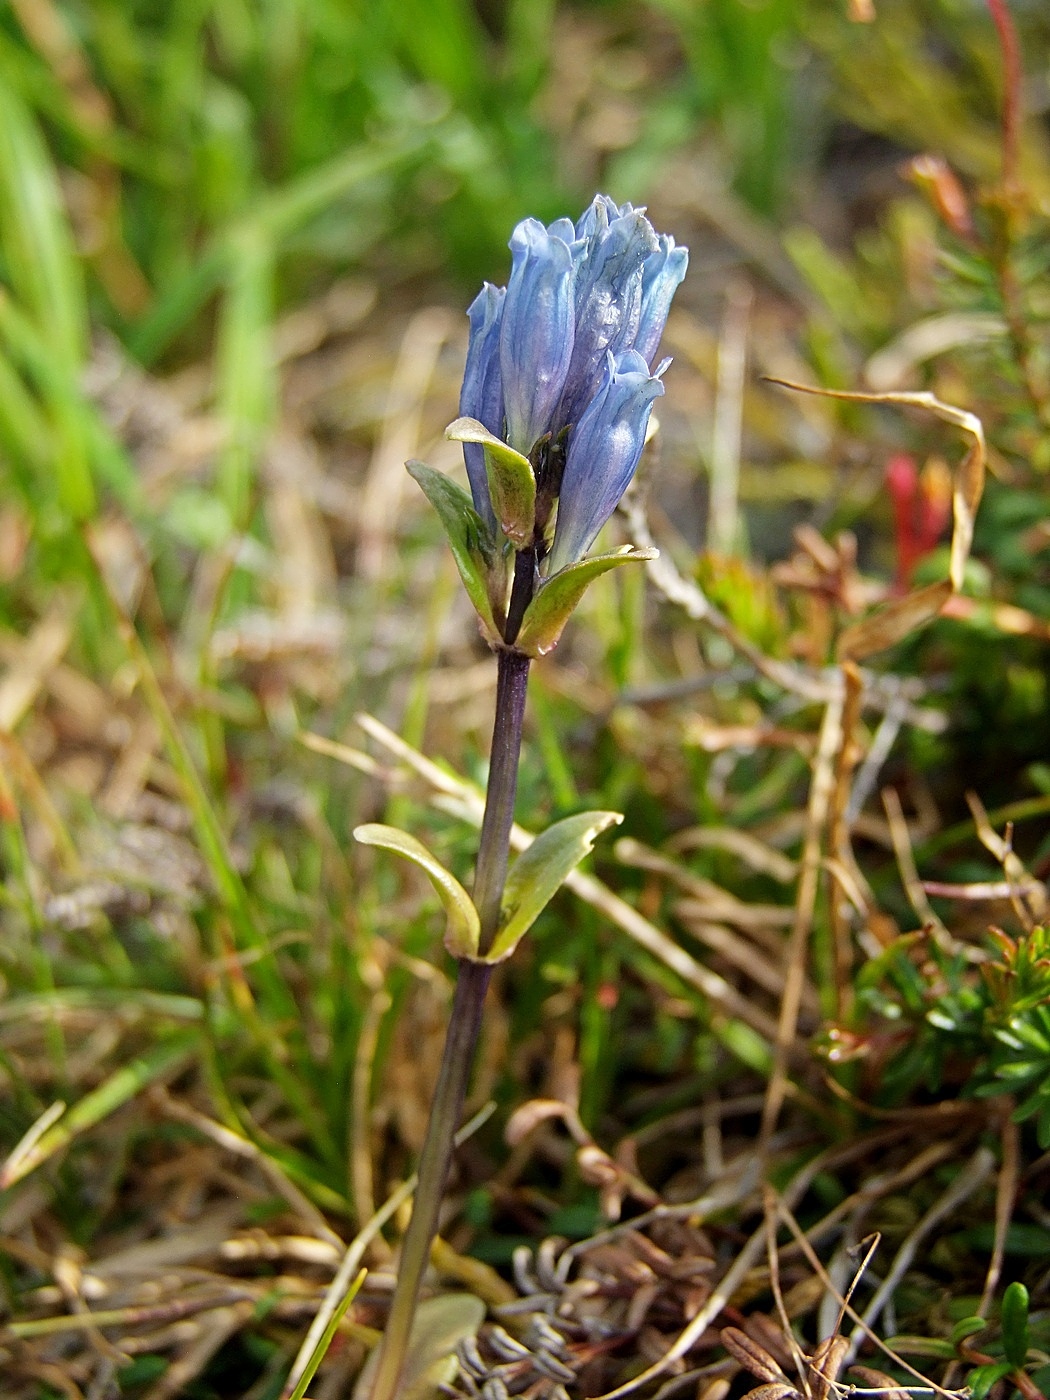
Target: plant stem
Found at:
x=1013, y=93
x=472, y=983
x=1013, y=202
x=464, y=1025
x=494, y=845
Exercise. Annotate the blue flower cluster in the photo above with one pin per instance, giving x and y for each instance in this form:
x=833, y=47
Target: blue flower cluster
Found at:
x=559, y=364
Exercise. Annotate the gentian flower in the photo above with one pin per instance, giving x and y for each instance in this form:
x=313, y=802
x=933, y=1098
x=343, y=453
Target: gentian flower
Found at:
x=536, y=335
x=608, y=304
x=560, y=384
x=481, y=396
x=661, y=275
x=611, y=432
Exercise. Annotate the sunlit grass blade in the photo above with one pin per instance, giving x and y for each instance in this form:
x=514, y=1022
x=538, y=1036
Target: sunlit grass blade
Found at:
x=281, y=1014
x=147, y=1003
x=71, y=413
x=25, y=435
x=321, y=1350
x=247, y=388
x=44, y=272
x=274, y=217
x=38, y=246
x=112, y=1093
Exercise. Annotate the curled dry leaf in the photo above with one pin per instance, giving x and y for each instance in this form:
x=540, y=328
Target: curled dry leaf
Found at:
x=825, y=1364
x=889, y=624
x=775, y=1390
x=536, y=1111
x=597, y=1168
x=752, y=1357
x=614, y=1181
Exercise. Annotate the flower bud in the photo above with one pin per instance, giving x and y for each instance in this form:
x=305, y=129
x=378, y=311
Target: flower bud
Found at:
x=482, y=394
x=604, y=449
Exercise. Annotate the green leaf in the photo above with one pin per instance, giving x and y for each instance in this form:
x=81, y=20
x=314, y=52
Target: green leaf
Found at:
x=1015, y=1324
x=967, y=1327
x=539, y=873
x=469, y=538
x=440, y=1324
x=512, y=482
x=922, y=1346
x=982, y=1378
x=463, y=930
x=549, y=611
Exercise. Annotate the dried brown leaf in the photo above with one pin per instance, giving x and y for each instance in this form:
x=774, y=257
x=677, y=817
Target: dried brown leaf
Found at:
x=889, y=625
x=878, y=1380
x=776, y=1390
x=826, y=1363
x=769, y=1334
x=752, y=1356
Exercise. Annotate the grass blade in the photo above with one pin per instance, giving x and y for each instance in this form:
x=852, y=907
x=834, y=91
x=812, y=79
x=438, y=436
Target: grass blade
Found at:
x=112, y=1094
x=321, y=1350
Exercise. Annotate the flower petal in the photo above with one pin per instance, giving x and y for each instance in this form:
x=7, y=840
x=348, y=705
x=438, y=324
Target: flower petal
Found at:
x=598, y=215
x=536, y=336
x=482, y=394
x=608, y=297
x=661, y=277
x=604, y=449
x=563, y=229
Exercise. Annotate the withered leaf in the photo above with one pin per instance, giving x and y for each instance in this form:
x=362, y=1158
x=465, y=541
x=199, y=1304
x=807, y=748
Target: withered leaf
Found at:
x=778, y=1390
x=825, y=1364
x=752, y=1356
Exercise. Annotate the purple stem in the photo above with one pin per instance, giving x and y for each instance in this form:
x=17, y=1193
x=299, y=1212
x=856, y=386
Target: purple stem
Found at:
x=472, y=983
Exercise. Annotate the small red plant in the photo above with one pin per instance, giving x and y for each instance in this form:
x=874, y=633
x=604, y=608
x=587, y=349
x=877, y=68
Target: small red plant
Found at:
x=922, y=507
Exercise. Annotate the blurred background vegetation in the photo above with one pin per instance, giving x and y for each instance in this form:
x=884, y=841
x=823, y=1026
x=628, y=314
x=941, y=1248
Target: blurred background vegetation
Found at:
x=236, y=241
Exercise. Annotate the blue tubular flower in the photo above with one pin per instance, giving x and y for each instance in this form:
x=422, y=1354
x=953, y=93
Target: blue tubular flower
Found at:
x=563, y=229
x=599, y=214
x=604, y=448
x=564, y=354
x=482, y=394
x=608, y=300
x=536, y=336
x=661, y=277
